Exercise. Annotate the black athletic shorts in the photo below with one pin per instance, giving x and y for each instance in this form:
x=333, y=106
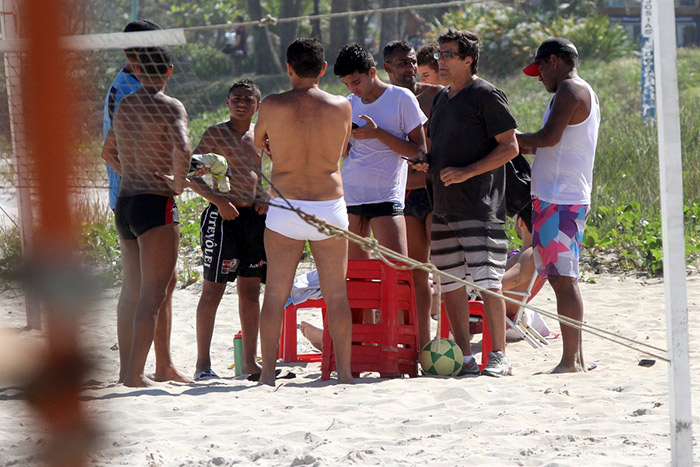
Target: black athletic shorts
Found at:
x=233, y=248
x=418, y=204
x=388, y=208
x=136, y=215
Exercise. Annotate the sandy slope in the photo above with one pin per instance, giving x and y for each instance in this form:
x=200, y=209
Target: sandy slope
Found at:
x=615, y=415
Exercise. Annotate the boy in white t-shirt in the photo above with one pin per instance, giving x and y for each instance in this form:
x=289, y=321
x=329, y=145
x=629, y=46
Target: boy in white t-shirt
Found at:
x=389, y=126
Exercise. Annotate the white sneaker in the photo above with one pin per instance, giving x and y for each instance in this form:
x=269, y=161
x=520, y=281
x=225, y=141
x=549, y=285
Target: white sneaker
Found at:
x=498, y=365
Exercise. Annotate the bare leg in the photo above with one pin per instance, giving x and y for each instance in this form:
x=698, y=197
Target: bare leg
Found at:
x=206, y=316
x=128, y=298
x=360, y=226
x=495, y=310
x=569, y=304
x=249, y=313
x=419, y=249
x=390, y=231
x=165, y=369
x=313, y=334
x=158, y=255
x=331, y=260
x=457, y=310
x=283, y=255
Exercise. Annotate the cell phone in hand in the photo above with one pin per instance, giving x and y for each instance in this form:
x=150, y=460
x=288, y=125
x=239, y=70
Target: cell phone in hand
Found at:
x=355, y=125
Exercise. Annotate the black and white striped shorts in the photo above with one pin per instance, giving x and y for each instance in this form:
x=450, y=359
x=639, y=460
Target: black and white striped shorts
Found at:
x=469, y=247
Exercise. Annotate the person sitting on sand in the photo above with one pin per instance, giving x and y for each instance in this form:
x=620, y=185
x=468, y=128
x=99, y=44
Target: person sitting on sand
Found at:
x=519, y=271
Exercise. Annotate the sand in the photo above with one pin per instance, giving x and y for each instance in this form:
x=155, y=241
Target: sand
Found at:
x=617, y=414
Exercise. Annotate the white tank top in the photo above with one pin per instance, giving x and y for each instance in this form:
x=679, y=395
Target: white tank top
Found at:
x=563, y=174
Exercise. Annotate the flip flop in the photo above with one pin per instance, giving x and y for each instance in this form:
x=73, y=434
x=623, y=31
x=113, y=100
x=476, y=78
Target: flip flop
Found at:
x=288, y=375
x=591, y=366
x=205, y=375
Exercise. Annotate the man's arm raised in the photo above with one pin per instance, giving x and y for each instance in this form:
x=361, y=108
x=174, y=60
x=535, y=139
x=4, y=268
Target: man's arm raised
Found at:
x=414, y=145
x=566, y=102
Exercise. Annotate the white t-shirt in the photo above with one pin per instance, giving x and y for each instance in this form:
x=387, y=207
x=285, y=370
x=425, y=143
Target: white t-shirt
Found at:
x=372, y=172
x=563, y=174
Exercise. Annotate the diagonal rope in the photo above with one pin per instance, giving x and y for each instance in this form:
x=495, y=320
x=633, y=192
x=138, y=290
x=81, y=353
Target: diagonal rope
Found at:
x=390, y=257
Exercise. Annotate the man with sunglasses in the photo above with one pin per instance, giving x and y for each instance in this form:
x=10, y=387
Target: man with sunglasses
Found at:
x=472, y=136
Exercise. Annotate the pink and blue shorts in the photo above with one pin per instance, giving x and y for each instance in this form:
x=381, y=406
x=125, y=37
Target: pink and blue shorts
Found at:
x=557, y=235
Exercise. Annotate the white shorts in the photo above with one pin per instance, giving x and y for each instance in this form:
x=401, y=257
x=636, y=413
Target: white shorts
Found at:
x=288, y=223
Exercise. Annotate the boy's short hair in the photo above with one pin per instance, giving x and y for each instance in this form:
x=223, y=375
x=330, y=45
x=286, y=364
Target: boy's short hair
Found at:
x=391, y=48
x=305, y=55
x=426, y=56
x=353, y=58
x=154, y=61
x=248, y=84
x=136, y=26
x=468, y=43
x=526, y=215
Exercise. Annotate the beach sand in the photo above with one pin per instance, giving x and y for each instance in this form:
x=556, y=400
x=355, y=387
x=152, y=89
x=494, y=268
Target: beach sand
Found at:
x=617, y=414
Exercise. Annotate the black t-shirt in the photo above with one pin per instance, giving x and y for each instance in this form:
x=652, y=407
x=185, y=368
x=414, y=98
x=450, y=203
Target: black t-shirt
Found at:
x=462, y=131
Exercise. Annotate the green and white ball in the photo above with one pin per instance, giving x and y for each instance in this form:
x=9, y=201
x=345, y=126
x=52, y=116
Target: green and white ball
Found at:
x=441, y=357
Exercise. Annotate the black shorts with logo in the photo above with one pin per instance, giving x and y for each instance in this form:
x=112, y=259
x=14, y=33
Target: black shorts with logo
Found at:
x=369, y=211
x=233, y=248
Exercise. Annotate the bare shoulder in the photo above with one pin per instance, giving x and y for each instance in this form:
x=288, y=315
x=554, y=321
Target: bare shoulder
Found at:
x=575, y=88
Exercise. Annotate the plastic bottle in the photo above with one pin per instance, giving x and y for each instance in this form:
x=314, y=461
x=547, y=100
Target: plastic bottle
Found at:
x=238, y=353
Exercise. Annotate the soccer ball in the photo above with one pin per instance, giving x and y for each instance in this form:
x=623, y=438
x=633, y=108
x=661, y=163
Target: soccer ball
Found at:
x=441, y=357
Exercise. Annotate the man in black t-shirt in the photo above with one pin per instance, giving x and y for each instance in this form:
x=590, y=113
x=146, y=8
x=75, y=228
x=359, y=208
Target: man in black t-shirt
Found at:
x=473, y=136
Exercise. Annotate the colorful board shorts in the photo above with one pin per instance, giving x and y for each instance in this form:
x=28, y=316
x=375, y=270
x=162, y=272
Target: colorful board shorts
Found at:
x=470, y=247
x=135, y=215
x=288, y=223
x=557, y=233
x=232, y=248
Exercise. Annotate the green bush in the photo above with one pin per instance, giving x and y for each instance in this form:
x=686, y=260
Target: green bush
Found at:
x=202, y=61
x=510, y=36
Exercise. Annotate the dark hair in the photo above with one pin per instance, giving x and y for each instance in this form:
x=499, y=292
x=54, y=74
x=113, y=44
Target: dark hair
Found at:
x=136, y=26
x=426, y=56
x=526, y=215
x=154, y=60
x=393, y=46
x=141, y=25
x=246, y=84
x=353, y=58
x=468, y=43
x=305, y=55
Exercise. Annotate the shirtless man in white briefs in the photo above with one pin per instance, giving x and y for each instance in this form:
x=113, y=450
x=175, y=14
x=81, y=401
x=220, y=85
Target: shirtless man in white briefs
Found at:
x=307, y=131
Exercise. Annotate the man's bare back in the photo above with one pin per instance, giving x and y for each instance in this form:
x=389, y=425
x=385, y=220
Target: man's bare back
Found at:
x=308, y=130
x=425, y=93
x=150, y=131
x=242, y=155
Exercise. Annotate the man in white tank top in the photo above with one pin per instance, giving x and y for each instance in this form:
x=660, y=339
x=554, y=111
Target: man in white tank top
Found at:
x=562, y=176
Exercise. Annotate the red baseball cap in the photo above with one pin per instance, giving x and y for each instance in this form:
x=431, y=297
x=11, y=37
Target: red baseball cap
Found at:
x=553, y=45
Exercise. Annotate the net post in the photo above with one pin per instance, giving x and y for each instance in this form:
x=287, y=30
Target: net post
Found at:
x=10, y=19
x=671, y=191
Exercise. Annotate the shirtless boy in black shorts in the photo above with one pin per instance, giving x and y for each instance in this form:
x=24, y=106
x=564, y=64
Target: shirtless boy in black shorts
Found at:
x=232, y=229
x=148, y=137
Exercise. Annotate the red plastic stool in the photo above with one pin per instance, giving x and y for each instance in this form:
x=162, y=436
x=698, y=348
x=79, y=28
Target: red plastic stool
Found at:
x=288, y=339
x=476, y=308
x=386, y=347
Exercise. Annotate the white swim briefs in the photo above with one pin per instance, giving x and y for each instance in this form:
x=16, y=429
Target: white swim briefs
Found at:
x=289, y=224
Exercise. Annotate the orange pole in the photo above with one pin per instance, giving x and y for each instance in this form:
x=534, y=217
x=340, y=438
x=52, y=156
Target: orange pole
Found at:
x=48, y=124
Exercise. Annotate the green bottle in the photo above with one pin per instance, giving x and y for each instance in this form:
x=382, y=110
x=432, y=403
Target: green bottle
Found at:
x=238, y=353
